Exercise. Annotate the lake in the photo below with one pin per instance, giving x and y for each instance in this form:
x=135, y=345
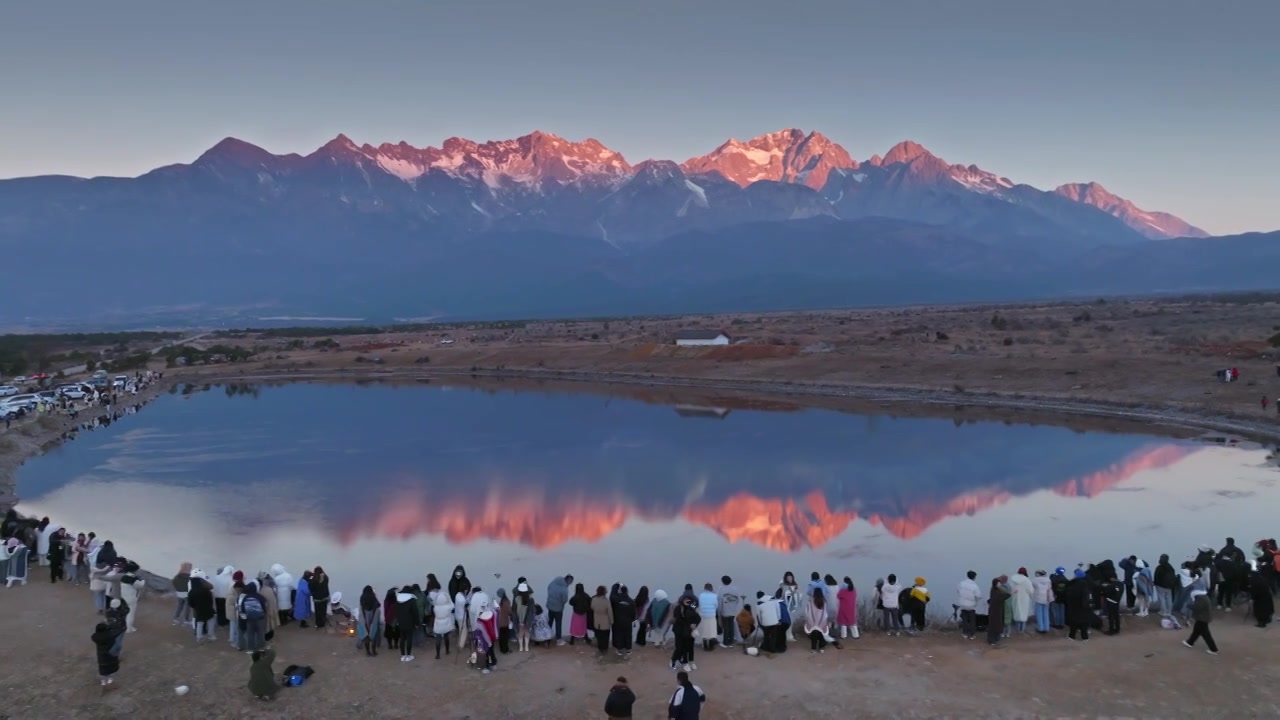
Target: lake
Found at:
x=382, y=484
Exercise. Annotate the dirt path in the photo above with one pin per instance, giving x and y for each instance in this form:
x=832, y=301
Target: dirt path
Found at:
x=1145, y=672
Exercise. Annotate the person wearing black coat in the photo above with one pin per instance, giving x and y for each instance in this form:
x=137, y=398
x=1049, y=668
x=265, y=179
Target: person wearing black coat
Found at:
x=619, y=701
x=104, y=639
x=200, y=598
x=1079, y=607
x=1264, y=604
x=624, y=616
x=1166, y=582
x=320, y=595
x=458, y=582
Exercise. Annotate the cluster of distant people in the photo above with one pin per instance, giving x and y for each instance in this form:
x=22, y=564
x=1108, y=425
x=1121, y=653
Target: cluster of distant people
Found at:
x=458, y=615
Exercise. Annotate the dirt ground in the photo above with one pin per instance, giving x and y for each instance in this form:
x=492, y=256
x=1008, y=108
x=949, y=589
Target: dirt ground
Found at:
x=1145, y=672
x=1138, y=359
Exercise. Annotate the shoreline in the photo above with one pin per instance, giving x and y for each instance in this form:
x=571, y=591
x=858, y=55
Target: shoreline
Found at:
x=903, y=395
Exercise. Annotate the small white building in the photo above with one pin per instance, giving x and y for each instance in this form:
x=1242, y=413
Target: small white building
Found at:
x=702, y=337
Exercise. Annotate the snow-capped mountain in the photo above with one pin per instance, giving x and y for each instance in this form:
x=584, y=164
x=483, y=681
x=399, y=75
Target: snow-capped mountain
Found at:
x=560, y=226
x=1155, y=225
x=788, y=156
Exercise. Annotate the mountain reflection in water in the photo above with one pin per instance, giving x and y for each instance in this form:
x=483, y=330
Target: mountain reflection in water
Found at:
x=373, y=478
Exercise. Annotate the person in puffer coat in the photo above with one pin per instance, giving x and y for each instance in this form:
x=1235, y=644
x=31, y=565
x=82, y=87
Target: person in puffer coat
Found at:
x=285, y=587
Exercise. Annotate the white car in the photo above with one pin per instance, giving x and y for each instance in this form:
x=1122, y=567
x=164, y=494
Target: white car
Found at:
x=7, y=390
x=72, y=392
x=120, y=381
x=20, y=379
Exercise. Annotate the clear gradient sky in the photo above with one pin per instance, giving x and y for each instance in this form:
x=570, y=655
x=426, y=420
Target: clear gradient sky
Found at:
x=1174, y=104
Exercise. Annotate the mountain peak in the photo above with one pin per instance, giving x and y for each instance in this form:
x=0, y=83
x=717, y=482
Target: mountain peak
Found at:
x=341, y=143
x=235, y=150
x=1154, y=225
x=905, y=152
x=789, y=155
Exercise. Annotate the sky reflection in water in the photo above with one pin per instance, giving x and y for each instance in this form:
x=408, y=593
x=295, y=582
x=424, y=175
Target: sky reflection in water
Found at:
x=383, y=484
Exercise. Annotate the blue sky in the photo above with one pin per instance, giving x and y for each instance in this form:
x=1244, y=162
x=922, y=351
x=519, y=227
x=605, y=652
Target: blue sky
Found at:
x=1174, y=104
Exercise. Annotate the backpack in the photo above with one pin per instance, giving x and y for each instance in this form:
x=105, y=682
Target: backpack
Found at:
x=252, y=608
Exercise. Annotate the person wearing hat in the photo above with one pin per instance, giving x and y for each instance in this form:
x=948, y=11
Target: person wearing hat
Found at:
x=918, y=604
x=617, y=705
x=486, y=636
x=1078, y=611
x=523, y=614
x=1058, y=592
x=200, y=598
x=1144, y=587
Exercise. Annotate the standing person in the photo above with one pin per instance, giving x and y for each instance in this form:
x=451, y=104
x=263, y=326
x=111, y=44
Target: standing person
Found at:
x=57, y=555
x=1042, y=596
x=1202, y=614
x=504, y=620
x=319, y=586
x=131, y=585
x=684, y=619
x=580, y=604
x=831, y=589
x=995, y=610
x=16, y=568
x=642, y=616
x=408, y=618
x=302, y=599
x=104, y=639
x=967, y=597
x=200, y=598
x=285, y=590
x=523, y=614
x=790, y=589
x=262, y=679
x=390, y=618
x=1021, y=590
x=624, y=617
x=442, y=611
x=221, y=590
x=557, y=598
x=686, y=701
x=708, y=605
x=79, y=556
x=815, y=621
x=889, y=605
x=369, y=622
x=1144, y=588
x=486, y=631
x=253, y=611
x=847, y=617
x=181, y=584
x=617, y=705
x=915, y=605
x=1166, y=583
x=601, y=619
x=233, y=609
x=1078, y=608
x=1130, y=567
x=1112, y=594
x=658, y=615
x=1232, y=571
x=1264, y=604
x=730, y=602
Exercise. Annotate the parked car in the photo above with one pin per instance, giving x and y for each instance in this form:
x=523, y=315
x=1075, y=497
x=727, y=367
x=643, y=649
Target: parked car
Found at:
x=48, y=395
x=20, y=379
x=12, y=412
x=120, y=381
x=7, y=390
x=72, y=392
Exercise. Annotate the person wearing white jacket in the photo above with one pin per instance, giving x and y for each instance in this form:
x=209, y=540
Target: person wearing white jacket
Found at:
x=460, y=616
x=442, y=611
x=1020, y=589
x=285, y=587
x=889, y=599
x=968, y=595
x=221, y=590
x=1042, y=595
x=130, y=588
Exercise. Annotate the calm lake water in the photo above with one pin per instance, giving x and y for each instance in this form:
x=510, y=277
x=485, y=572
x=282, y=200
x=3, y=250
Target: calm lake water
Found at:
x=383, y=484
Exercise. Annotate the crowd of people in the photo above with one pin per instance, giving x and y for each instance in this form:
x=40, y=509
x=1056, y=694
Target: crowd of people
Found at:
x=459, y=615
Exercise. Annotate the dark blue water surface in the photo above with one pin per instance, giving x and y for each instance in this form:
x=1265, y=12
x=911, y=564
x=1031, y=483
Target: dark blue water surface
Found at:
x=382, y=484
